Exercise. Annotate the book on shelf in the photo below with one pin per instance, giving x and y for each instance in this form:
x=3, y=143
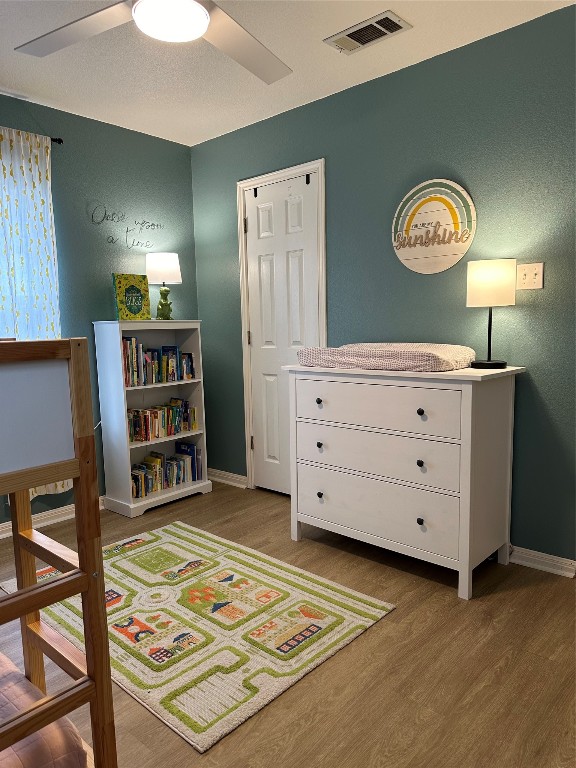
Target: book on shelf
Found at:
x=144, y=366
x=182, y=408
x=142, y=481
x=147, y=475
x=182, y=448
x=188, y=449
x=135, y=487
x=188, y=369
x=187, y=413
x=175, y=471
x=160, y=460
x=155, y=465
x=159, y=472
x=128, y=357
x=140, y=362
x=189, y=468
x=171, y=365
x=153, y=358
x=158, y=421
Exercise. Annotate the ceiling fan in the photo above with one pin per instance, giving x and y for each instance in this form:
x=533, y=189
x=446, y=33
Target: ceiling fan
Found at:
x=171, y=21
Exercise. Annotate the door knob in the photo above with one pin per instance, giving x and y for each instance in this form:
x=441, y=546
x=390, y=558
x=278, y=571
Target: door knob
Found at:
x=420, y=411
x=419, y=462
x=420, y=520
x=319, y=494
x=319, y=445
x=319, y=400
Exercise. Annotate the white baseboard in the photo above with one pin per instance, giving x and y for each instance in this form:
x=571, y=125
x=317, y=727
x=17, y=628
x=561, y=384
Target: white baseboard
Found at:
x=44, y=518
x=228, y=478
x=543, y=562
x=528, y=557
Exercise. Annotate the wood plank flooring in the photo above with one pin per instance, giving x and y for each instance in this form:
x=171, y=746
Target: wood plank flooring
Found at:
x=440, y=683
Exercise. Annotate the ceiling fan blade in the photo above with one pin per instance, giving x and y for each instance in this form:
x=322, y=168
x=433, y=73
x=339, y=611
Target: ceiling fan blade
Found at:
x=229, y=37
x=79, y=30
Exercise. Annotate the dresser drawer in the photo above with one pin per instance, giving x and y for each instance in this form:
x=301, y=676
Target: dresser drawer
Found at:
x=380, y=508
x=405, y=409
x=381, y=454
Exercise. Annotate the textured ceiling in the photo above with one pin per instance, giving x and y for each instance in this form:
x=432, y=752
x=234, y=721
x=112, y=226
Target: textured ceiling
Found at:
x=191, y=92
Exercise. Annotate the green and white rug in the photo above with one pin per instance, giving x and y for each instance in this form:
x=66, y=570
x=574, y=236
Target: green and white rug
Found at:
x=204, y=632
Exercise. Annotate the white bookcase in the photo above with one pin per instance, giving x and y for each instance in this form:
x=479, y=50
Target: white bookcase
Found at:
x=115, y=399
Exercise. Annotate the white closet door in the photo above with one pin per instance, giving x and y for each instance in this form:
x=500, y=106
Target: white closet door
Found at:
x=282, y=253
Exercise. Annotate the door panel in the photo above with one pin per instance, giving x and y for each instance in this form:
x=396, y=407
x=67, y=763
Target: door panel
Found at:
x=266, y=220
x=270, y=418
x=283, y=275
x=296, y=298
x=267, y=303
x=294, y=214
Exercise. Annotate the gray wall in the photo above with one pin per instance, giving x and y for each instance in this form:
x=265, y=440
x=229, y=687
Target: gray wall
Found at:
x=129, y=173
x=497, y=117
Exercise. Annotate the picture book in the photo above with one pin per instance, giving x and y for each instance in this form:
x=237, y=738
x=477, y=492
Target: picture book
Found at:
x=188, y=372
x=171, y=364
x=188, y=451
x=132, y=297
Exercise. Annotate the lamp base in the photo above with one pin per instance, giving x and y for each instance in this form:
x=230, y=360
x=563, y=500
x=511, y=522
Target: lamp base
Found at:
x=488, y=364
x=164, y=311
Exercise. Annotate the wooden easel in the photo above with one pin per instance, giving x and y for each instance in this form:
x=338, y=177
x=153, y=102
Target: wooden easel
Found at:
x=82, y=572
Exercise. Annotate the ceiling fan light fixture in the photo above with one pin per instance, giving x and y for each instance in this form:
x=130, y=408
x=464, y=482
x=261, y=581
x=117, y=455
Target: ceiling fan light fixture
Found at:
x=172, y=21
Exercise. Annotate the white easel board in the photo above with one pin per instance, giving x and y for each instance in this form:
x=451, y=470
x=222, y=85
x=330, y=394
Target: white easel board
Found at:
x=35, y=415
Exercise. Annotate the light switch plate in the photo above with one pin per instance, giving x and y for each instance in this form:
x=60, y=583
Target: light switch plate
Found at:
x=529, y=276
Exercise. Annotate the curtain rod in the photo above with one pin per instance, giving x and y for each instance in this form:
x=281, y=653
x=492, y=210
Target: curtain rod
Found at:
x=56, y=141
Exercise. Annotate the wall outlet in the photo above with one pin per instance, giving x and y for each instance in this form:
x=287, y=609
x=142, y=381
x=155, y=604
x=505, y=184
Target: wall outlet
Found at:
x=529, y=276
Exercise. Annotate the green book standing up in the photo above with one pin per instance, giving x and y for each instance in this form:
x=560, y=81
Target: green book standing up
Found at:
x=132, y=297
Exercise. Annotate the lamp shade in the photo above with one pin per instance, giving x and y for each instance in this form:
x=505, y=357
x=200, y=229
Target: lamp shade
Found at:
x=173, y=21
x=491, y=283
x=163, y=268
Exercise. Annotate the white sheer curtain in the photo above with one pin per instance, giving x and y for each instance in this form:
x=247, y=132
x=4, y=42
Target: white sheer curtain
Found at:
x=29, y=305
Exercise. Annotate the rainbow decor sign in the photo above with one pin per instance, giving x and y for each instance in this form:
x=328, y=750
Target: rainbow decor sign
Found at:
x=434, y=226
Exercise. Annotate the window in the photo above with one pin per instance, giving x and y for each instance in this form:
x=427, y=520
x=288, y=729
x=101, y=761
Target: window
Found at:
x=28, y=265
x=29, y=308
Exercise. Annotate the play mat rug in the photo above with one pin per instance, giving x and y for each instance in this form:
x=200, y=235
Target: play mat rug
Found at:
x=205, y=633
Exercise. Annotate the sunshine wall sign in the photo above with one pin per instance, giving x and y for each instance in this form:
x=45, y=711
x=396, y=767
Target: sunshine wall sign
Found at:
x=434, y=226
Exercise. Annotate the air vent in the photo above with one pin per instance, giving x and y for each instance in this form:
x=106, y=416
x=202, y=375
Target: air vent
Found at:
x=368, y=32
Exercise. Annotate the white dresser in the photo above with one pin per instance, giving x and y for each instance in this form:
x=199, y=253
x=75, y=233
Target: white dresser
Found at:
x=419, y=463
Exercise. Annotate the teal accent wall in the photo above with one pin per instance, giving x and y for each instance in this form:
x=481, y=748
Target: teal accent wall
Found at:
x=497, y=117
x=132, y=175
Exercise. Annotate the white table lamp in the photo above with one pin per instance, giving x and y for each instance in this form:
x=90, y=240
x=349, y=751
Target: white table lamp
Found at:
x=163, y=268
x=491, y=283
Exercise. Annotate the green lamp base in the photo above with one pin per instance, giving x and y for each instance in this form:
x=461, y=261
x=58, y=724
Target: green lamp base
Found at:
x=164, y=311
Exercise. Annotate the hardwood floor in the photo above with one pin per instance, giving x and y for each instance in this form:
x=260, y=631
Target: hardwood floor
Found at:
x=439, y=683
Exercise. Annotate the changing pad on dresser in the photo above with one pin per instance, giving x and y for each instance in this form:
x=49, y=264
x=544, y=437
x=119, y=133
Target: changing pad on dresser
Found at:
x=411, y=356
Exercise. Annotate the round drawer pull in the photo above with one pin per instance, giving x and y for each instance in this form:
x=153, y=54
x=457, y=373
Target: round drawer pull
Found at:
x=419, y=462
x=319, y=400
x=319, y=445
x=319, y=494
x=420, y=520
x=420, y=411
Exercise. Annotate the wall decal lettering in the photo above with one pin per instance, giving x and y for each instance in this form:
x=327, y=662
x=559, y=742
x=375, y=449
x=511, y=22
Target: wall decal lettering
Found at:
x=123, y=229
